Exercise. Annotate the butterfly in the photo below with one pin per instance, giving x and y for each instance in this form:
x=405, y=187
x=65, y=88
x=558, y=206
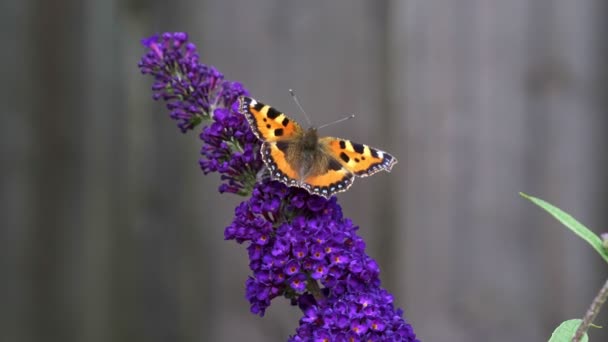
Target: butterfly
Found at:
x=299, y=157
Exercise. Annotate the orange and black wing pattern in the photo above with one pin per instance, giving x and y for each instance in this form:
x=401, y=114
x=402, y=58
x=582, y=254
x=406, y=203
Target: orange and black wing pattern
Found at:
x=362, y=160
x=267, y=123
x=275, y=130
x=280, y=169
x=335, y=179
x=328, y=168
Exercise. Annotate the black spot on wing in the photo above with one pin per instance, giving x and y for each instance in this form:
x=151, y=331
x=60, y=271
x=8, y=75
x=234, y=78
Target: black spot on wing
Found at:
x=342, y=144
x=334, y=165
x=386, y=163
x=358, y=148
x=258, y=106
x=282, y=145
x=273, y=113
x=374, y=152
x=278, y=132
x=285, y=122
x=344, y=157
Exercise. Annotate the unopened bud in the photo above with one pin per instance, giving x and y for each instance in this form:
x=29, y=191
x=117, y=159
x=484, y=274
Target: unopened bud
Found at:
x=604, y=237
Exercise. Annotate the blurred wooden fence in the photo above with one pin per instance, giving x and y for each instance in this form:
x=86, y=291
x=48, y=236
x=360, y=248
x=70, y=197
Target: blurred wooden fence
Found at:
x=111, y=233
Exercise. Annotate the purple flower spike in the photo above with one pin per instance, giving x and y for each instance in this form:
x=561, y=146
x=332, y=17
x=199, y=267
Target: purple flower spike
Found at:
x=197, y=93
x=327, y=252
x=300, y=246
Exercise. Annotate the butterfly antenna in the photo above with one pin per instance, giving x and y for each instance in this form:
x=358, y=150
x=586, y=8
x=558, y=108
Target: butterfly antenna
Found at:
x=295, y=99
x=337, y=121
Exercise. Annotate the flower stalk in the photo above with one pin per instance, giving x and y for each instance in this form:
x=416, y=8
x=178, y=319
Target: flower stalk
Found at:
x=592, y=312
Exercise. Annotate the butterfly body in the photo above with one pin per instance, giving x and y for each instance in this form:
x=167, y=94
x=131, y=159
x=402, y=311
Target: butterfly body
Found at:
x=298, y=157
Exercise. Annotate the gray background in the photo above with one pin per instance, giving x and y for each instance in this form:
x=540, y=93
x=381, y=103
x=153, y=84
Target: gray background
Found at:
x=109, y=231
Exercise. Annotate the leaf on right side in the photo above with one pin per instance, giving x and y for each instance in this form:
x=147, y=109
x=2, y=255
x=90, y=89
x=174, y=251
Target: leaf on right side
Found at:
x=570, y=222
x=565, y=332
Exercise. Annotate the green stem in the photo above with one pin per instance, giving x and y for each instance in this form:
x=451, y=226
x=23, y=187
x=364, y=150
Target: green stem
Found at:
x=591, y=313
x=314, y=288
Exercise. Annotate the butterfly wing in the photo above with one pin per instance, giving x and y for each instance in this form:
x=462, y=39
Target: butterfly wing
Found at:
x=277, y=133
x=274, y=155
x=267, y=123
x=336, y=178
x=362, y=160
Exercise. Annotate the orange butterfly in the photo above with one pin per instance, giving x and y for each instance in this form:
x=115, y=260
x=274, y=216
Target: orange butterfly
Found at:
x=298, y=157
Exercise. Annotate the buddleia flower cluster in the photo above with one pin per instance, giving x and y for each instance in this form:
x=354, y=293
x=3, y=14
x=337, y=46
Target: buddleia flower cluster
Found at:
x=300, y=245
x=196, y=93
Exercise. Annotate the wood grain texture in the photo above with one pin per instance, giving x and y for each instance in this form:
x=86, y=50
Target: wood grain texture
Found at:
x=481, y=124
x=111, y=233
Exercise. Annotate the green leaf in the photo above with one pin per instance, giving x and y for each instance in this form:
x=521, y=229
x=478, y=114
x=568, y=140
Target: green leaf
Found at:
x=565, y=332
x=571, y=223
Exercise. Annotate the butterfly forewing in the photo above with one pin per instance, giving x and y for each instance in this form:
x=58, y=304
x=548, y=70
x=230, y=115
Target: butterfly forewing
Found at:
x=362, y=160
x=267, y=123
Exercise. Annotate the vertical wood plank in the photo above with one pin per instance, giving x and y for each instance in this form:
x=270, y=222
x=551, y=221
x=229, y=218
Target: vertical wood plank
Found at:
x=471, y=245
x=564, y=110
x=17, y=194
x=56, y=172
x=167, y=249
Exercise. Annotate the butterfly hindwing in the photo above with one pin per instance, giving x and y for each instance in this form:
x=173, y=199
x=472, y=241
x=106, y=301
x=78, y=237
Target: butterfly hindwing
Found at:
x=327, y=176
x=267, y=123
x=276, y=162
x=362, y=160
x=330, y=182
